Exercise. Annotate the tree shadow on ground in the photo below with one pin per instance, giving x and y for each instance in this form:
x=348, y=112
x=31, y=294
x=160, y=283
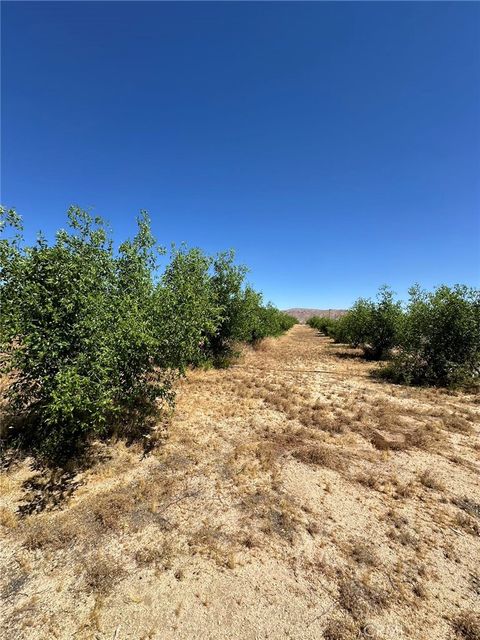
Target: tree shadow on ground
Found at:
x=56, y=477
x=48, y=491
x=348, y=355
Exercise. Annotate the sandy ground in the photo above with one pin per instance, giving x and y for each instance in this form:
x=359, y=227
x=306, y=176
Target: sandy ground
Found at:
x=291, y=496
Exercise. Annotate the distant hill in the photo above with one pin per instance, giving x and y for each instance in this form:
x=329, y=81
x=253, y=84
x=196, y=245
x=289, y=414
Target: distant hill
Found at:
x=302, y=315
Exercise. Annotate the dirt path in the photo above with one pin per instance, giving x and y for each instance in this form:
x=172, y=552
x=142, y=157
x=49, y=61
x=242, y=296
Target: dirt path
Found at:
x=291, y=496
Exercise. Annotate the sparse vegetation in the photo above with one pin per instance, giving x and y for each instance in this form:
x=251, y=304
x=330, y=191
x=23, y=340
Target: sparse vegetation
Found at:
x=430, y=481
x=179, y=458
x=341, y=629
x=101, y=572
x=363, y=553
x=320, y=455
x=359, y=596
x=467, y=625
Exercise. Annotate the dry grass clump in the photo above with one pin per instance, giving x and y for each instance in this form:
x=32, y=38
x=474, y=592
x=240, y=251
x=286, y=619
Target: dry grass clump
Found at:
x=126, y=508
x=424, y=438
x=280, y=400
x=360, y=597
x=51, y=532
x=317, y=418
x=212, y=542
x=73, y=527
x=400, y=531
x=209, y=541
x=468, y=518
x=470, y=506
x=341, y=629
x=267, y=453
x=467, y=625
x=467, y=523
x=454, y=458
x=409, y=577
x=403, y=489
x=8, y=518
x=148, y=556
x=475, y=583
x=363, y=553
x=370, y=480
x=101, y=572
x=457, y=424
x=281, y=522
x=277, y=511
x=264, y=345
x=8, y=483
x=321, y=456
x=431, y=481
x=110, y=509
x=406, y=538
x=386, y=414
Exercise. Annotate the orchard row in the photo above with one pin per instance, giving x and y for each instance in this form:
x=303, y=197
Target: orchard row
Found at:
x=432, y=339
x=94, y=336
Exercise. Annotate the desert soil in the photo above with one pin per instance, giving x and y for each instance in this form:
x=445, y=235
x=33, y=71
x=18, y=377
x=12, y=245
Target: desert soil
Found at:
x=290, y=496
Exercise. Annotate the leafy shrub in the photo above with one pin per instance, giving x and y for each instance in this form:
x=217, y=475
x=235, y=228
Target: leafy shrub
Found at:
x=371, y=325
x=339, y=331
x=243, y=317
x=228, y=295
x=186, y=313
x=321, y=324
x=439, y=341
x=382, y=332
x=272, y=322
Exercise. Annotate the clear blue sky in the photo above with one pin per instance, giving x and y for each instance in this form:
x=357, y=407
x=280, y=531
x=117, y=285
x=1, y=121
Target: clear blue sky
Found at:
x=334, y=146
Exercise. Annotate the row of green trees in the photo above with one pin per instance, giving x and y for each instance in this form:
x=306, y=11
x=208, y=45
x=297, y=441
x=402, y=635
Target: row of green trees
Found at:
x=433, y=339
x=94, y=337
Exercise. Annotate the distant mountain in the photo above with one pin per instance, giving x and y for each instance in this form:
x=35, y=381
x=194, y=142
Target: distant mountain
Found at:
x=302, y=315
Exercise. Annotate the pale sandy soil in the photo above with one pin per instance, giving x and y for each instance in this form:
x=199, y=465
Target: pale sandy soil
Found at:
x=291, y=496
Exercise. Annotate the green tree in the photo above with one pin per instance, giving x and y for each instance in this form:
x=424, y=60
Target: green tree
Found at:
x=228, y=291
x=381, y=333
x=371, y=325
x=77, y=331
x=186, y=312
x=439, y=338
x=322, y=324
